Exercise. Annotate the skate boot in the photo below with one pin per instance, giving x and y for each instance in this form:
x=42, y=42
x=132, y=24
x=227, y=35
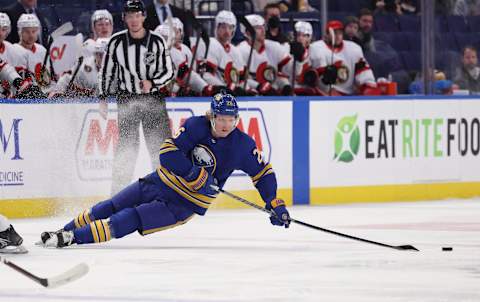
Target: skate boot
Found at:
x=60, y=238
x=11, y=242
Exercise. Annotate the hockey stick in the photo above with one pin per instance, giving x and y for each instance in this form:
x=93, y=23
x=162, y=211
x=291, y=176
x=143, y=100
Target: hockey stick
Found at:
x=200, y=35
x=332, y=35
x=396, y=247
x=71, y=275
x=62, y=30
x=294, y=67
x=78, y=42
x=249, y=28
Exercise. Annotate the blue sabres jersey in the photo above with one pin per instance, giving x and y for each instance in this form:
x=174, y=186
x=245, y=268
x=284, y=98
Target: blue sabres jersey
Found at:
x=195, y=145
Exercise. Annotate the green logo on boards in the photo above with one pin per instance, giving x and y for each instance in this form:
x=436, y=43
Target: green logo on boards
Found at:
x=347, y=139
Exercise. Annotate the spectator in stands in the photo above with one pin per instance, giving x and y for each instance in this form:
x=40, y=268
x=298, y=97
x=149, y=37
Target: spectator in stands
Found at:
x=384, y=6
x=365, y=22
x=441, y=85
x=400, y=7
x=467, y=75
x=351, y=30
x=271, y=14
x=467, y=8
x=160, y=10
x=407, y=7
x=384, y=60
x=20, y=7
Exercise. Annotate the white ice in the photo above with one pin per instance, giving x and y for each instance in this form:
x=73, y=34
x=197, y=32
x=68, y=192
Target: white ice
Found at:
x=236, y=255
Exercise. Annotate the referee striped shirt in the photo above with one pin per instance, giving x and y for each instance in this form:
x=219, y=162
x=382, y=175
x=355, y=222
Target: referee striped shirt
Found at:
x=128, y=61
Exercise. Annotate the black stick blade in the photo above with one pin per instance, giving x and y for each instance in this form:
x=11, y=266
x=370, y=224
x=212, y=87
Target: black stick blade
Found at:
x=407, y=248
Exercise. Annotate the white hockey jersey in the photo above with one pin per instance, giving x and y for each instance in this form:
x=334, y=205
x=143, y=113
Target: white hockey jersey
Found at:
x=272, y=63
x=88, y=48
x=85, y=81
x=35, y=57
x=353, y=69
x=7, y=75
x=225, y=64
x=14, y=57
x=182, y=57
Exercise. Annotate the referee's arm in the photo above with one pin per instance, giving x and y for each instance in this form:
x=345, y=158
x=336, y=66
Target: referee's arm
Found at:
x=108, y=69
x=165, y=71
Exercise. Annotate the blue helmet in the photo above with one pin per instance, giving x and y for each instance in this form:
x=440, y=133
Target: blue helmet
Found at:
x=225, y=104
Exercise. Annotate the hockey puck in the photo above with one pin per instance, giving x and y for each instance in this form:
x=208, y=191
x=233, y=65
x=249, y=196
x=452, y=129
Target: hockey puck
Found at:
x=447, y=248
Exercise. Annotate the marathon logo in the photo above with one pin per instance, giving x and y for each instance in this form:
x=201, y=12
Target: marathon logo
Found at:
x=96, y=146
x=10, y=151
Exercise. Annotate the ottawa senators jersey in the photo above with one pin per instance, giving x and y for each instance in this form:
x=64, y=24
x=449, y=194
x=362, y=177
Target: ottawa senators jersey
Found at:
x=353, y=68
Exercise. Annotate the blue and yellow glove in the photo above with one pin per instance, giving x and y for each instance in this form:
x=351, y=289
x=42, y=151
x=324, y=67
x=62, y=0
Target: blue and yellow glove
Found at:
x=281, y=217
x=200, y=181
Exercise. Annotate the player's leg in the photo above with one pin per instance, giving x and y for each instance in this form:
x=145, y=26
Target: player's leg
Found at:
x=146, y=218
x=10, y=241
x=156, y=127
x=128, y=144
x=142, y=191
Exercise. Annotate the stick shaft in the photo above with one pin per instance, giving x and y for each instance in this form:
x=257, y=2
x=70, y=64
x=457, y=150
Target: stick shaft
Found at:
x=311, y=225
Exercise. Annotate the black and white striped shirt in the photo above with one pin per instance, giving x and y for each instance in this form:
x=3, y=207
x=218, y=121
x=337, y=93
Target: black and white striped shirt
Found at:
x=128, y=61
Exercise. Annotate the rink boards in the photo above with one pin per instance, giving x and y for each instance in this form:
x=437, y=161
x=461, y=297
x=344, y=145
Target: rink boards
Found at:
x=58, y=155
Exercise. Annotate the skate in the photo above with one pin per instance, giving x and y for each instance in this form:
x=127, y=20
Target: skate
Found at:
x=58, y=239
x=11, y=242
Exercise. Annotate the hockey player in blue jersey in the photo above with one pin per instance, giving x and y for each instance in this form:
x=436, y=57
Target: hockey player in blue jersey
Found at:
x=204, y=152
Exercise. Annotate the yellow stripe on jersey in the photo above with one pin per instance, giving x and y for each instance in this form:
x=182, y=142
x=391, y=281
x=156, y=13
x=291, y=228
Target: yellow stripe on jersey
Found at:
x=178, y=184
x=100, y=231
x=168, y=146
x=146, y=232
x=82, y=219
x=265, y=171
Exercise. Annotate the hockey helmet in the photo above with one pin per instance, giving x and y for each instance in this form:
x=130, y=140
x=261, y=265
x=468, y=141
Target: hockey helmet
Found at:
x=5, y=21
x=27, y=20
x=255, y=20
x=134, y=6
x=224, y=104
x=101, y=14
x=163, y=30
x=334, y=24
x=304, y=28
x=227, y=17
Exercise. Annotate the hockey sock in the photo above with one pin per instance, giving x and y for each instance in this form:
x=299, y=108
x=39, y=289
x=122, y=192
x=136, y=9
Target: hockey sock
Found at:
x=95, y=232
x=101, y=210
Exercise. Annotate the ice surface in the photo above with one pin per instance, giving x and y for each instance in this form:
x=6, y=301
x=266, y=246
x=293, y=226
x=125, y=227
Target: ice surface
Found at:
x=238, y=256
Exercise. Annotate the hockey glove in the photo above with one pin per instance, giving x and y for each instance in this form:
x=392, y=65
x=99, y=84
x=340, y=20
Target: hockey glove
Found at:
x=27, y=90
x=200, y=181
x=330, y=75
x=310, y=78
x=297, y=51
x=281, y=217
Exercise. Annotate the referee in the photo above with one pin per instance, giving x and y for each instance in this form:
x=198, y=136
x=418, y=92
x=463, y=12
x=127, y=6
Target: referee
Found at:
x=136, y=69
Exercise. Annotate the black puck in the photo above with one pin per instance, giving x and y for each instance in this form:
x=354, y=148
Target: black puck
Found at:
x=447, y=248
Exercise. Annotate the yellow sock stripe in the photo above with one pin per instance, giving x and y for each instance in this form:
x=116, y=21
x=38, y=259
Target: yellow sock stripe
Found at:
x=93, y=227
x=86, y=217
x=101, y=231
x=106, y=227
x=77, y=223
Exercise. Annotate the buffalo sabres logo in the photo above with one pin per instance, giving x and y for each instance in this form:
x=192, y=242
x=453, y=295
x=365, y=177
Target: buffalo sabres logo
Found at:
x=149, y=58
x=202, y=156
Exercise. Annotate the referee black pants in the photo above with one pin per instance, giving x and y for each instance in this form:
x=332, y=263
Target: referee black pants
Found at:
x=150, y=111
